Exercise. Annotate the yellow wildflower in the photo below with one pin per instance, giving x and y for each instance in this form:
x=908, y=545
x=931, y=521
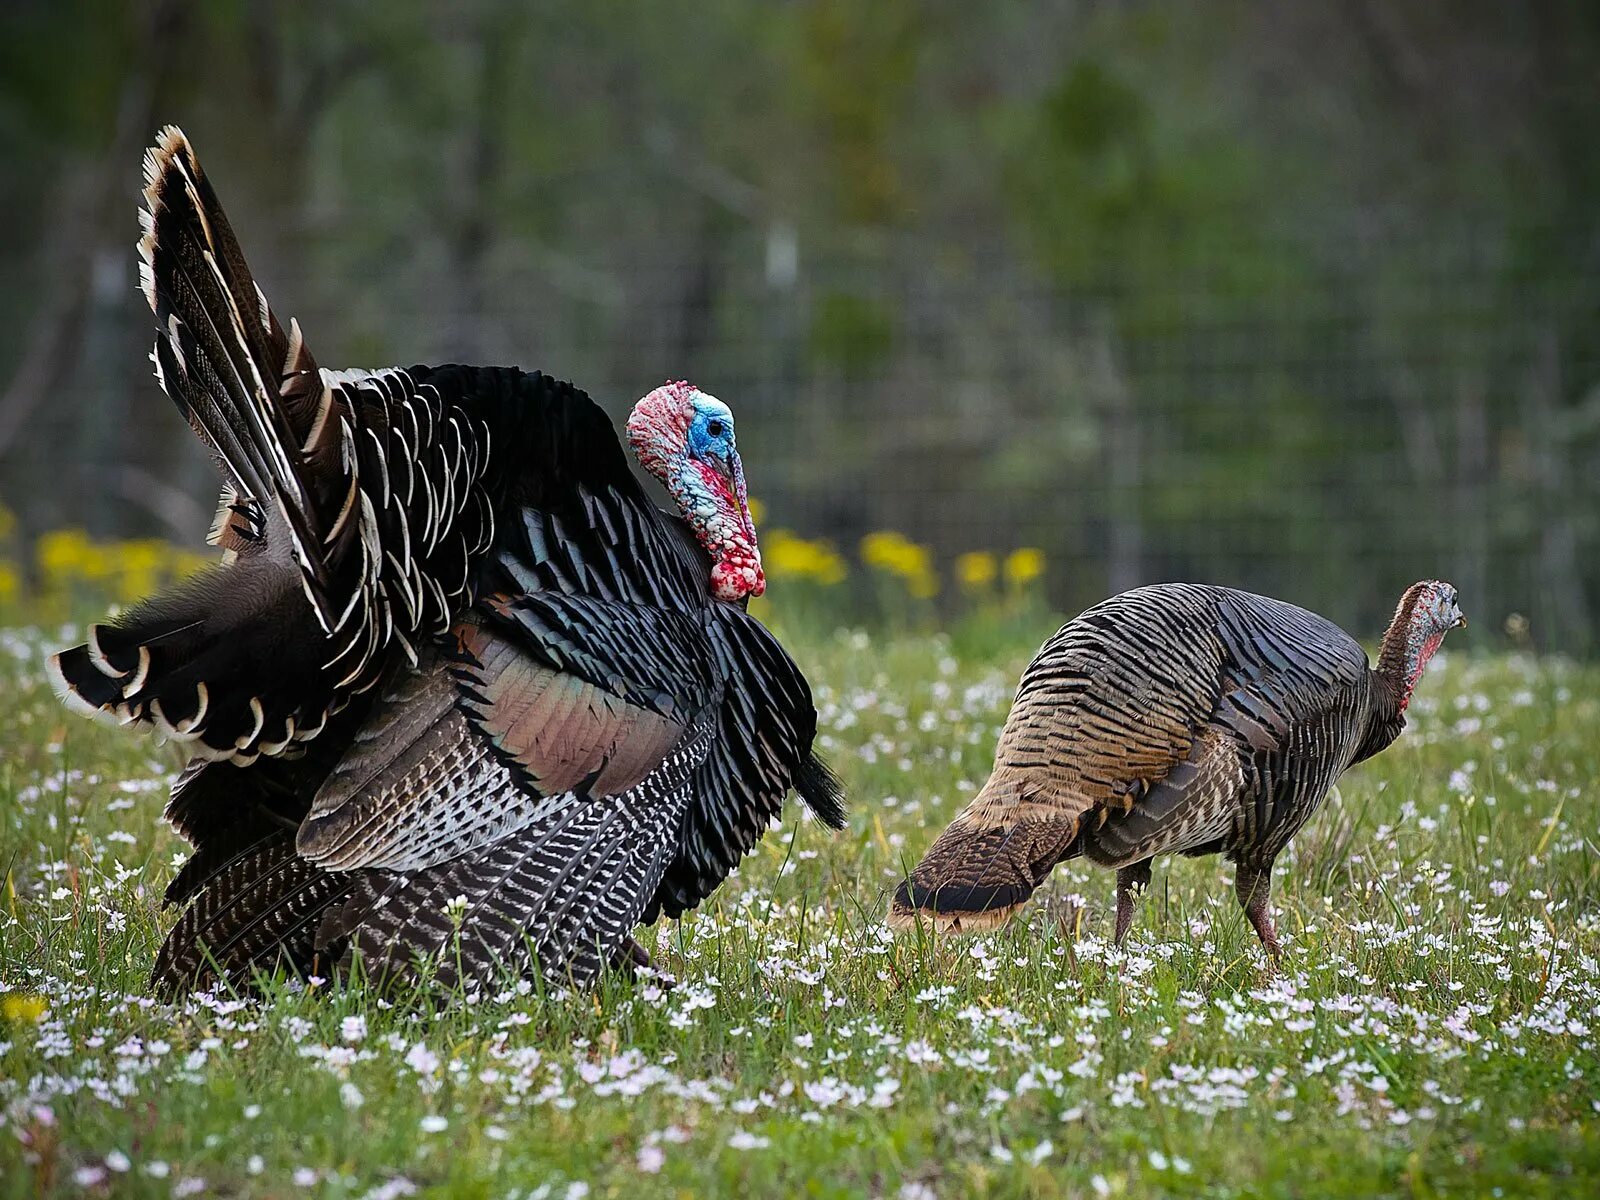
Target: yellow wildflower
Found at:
x=976, y=570
x=23, y=1007
x=62, y=554
x=139, y=564
x=10, y=581
x=1023, y=566
x=786, y=556
x=896, y=554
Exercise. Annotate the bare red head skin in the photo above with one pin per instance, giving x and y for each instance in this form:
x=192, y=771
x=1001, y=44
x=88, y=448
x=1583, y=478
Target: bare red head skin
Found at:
x=684, y=437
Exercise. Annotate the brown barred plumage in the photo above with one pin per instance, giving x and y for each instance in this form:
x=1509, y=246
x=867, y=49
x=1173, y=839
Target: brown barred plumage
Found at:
x=1176, y=718
x=455, y=649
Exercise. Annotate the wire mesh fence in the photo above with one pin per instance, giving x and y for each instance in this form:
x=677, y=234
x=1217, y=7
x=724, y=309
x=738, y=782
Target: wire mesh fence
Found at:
x=1325, y=420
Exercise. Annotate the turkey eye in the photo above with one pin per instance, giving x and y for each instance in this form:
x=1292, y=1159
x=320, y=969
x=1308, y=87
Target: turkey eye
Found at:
x=714, y=428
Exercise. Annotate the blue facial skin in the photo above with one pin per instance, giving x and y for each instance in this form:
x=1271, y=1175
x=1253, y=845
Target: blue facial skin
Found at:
x=708, y=446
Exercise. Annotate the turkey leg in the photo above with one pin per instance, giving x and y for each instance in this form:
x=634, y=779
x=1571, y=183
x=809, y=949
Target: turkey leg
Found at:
x=1131, y=884
x=1253, y=885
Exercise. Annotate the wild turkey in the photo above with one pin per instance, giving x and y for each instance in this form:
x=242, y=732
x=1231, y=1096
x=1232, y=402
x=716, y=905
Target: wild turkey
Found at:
x=477, y=682
x=1170, y=719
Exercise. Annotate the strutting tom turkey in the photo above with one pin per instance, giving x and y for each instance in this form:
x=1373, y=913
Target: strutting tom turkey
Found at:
x=1173, y=719
x=459, y=692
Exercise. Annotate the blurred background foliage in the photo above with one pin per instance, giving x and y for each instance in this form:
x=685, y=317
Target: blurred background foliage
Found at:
x=1301, y=298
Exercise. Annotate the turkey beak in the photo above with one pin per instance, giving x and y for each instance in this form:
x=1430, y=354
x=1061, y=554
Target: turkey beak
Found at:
x=1461, y=620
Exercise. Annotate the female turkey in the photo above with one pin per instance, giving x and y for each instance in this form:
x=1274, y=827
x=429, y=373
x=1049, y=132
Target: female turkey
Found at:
x=1176, y=718
x=476, y=681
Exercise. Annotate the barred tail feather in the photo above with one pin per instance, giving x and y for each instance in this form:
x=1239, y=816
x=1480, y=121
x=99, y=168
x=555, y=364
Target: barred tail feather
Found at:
x=224, y=357
x=232, y=663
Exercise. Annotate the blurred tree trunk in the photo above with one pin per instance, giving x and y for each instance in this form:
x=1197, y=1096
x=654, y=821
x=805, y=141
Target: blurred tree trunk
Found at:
x=1471, y=516
x=90, y=192
x=1564, y=608
x=1119, y=423
x=473, y=238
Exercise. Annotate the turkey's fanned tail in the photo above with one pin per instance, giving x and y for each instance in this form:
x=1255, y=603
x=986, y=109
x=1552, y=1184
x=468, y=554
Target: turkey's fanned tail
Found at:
x=352, y=513
x=219, y=662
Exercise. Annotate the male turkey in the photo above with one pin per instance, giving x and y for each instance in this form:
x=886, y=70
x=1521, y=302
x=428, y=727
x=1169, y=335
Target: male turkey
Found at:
x=1176, y=718
x=478, y=684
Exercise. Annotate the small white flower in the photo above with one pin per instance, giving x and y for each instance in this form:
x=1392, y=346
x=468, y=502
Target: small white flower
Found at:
x=434, y=1123
x=118, y=1161
x=651, y=1159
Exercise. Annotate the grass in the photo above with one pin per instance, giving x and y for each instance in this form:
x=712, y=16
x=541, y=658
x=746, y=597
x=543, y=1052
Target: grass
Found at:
x=1432, y=1033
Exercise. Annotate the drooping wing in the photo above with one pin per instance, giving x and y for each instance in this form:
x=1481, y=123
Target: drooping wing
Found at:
x=563, y=891
x=541, y=768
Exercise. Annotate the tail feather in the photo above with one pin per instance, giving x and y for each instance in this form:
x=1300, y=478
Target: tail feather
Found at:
x=225, y=663
x=244, y=384
x=329, y=562
x=193, y=268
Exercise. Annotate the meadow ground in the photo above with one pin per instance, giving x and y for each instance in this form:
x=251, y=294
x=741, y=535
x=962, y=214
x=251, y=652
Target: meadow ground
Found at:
x=1433, y=1031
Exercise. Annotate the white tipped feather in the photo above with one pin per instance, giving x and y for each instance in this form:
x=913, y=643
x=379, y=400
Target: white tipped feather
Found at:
x=264, y=314
x=260, y=716
x=68, y=695
x=98, y=657
x=271, y=748
x=140, y=673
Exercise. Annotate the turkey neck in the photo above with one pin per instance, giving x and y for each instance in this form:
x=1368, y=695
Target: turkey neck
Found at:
x=1397, y=669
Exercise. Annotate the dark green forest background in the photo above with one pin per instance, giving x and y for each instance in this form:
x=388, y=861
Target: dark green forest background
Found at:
x=1298, y=297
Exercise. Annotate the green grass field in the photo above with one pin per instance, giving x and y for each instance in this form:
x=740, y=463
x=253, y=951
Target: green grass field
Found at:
x=1433, y=1031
